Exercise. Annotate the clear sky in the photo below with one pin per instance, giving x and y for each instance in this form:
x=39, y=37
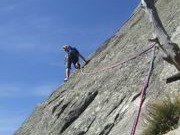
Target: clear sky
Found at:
x=32, y=33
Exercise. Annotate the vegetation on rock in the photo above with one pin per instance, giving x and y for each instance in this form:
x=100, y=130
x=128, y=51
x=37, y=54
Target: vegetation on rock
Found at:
x=162, y=115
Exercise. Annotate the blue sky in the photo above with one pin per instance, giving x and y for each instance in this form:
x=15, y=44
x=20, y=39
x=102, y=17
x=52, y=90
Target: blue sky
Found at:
x=32, y=33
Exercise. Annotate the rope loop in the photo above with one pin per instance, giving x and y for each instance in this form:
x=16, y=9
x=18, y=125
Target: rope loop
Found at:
x=153, y=48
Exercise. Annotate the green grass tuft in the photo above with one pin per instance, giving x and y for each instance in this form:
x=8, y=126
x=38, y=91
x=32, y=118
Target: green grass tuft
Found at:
x=162, y=116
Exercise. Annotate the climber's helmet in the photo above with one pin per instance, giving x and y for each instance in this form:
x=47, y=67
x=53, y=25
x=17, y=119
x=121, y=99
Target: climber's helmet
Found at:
x=66, y=47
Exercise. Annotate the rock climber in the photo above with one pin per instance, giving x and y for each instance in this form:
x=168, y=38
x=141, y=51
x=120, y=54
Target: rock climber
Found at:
x=72, y=57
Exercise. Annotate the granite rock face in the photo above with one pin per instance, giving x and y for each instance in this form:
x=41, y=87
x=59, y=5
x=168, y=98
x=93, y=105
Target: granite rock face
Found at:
x=106, y=103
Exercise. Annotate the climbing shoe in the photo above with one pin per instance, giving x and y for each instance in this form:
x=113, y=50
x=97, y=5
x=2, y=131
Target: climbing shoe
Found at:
x=65, y=79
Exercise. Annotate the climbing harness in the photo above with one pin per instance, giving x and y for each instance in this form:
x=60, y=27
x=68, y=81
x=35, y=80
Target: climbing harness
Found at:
x=143, y=91
x=120, y=63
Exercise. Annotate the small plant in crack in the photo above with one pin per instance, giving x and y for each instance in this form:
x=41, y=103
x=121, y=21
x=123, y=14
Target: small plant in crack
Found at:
x=162, y=116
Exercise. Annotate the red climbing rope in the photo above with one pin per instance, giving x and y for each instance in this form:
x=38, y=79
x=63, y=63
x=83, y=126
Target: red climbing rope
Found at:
x=120, y=63
x=143, y=92
x=146, y=82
